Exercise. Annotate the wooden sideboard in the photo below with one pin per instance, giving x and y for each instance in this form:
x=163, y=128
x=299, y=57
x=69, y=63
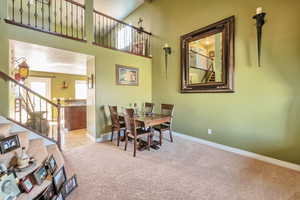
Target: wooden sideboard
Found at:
x=75, y=117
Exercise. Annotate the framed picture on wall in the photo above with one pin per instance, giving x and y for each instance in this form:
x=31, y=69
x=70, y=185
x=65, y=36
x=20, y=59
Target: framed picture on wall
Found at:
x=9, y=144
x=127, y=75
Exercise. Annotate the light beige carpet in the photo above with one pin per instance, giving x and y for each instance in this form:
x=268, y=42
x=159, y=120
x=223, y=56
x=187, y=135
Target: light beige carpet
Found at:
x=183, y=170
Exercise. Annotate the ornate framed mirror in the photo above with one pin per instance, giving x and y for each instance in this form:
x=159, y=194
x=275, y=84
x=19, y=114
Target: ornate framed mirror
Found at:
x=207, y=58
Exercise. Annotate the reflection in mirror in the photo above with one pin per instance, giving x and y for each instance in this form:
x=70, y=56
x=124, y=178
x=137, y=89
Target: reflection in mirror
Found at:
x=205, y=59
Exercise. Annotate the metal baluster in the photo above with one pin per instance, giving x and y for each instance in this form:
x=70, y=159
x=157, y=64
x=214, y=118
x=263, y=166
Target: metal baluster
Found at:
x=77, y=21
x=106, y=31
x=102, y=29
x=143, y=46
x=99, y=29
x=67, y=27
x=150, y=52
x=35, y=13
x=118, y=29
x=28, y=6
x=124, y=35
x=72, y=23
x=58, y=124
x=43, y=14
x=13, y=10
x=55, y=15
x=61, y=20
x=95, y=27
x=20, y=105
x=52, y=120
x=135, y=40
x=46, y=104
x=41, y=116
x=84, y=26
x=82, y=34
x=110, y=36
x=27, y=107
x=49, y=13
x=21, y=12
x=114, y=34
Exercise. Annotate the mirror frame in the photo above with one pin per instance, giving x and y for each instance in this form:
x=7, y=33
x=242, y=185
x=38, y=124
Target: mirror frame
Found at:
x=227, y=28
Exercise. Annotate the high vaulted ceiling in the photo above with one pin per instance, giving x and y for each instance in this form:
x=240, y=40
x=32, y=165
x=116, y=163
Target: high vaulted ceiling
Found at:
x=116, y=8
x=46, y=59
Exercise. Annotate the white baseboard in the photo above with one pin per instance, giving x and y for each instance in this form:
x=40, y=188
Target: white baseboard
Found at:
x=241, y=152
x=94, y=139
x=106, y=137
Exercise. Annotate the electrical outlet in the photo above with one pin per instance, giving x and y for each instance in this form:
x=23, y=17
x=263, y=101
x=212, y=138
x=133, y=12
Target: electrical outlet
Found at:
x=209, y=131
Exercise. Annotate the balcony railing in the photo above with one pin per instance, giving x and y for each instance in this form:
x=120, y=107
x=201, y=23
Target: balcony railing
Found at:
x=115, y=34
x=66, y=18
x=59, y=17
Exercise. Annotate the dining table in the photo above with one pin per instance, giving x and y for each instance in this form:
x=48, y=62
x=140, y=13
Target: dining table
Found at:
x=149, y=120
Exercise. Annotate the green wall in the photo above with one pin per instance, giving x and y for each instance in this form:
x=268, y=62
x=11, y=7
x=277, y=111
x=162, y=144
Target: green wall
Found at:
x=57, y=81
x=262, y=116
x=107, y=92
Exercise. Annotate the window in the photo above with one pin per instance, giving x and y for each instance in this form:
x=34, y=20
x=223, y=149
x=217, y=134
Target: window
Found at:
x=124, y=38
x=80, y=89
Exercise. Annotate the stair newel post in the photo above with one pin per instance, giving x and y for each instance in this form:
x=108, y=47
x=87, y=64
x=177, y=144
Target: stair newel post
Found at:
x=58, y=124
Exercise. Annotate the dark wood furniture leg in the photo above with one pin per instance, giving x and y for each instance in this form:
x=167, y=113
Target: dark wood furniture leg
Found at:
x=112, y=134
x=149, y=142
x=135, y=144
x=119, y=135
x=126, y=141
x=171, y=135
x=160, y=137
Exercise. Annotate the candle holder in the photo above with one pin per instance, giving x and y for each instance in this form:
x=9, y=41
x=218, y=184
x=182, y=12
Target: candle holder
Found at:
x=167, y=51
x=260, y=21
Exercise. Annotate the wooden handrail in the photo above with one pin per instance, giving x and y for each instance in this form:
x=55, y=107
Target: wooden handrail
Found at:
x=76, y=3
x=6, y=77
x=200, y=54
x=121, y=22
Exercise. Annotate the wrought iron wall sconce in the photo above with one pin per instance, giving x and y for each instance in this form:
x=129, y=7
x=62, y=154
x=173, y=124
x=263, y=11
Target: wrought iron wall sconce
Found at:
x=260, y=21
x=65, y=85
x=168, y=51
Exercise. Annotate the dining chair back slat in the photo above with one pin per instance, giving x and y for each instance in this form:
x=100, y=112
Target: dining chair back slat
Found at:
x=167, y=109
x=114, y=117
x=149, y=107
x=130, y=121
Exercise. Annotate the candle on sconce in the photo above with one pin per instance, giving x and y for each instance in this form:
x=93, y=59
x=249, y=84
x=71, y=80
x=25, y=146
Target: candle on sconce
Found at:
x=259, y=10
x=166, y=45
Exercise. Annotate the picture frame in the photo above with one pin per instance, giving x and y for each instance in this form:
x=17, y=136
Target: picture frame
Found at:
x=127, y=75
x=9, y=144
x=8, y=187
x=40, y=174
x=26, y=184
x=51, y=165
x=58, y=197
x=59, y=179
x=69, y=186
x=47, y=194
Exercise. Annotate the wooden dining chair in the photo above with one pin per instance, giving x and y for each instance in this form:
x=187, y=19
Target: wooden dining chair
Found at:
x=133, y=132
x=116, y=124
x=166, y=109
x=149, y=107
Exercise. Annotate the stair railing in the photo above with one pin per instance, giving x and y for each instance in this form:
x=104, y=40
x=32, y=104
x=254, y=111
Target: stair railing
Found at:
x=35, y=112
